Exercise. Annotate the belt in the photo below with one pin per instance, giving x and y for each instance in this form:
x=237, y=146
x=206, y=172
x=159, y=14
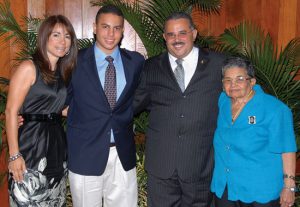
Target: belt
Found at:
x=52, y=117
x=112, y=144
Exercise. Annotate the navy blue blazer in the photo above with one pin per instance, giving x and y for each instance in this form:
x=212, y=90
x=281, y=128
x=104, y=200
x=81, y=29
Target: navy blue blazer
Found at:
x=90, y=118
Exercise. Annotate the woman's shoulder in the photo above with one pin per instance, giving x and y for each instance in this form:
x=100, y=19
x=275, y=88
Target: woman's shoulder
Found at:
x=27, y=65
x=26, y=70
x=272, y=103
x=222, y=99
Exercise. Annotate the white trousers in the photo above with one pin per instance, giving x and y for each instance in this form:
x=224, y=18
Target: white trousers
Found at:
x=115, y=187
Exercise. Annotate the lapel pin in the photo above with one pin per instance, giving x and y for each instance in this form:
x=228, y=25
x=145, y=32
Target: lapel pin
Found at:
x=251, y=119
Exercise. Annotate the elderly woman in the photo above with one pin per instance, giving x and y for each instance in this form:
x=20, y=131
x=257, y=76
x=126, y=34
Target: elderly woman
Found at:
x=254, y=144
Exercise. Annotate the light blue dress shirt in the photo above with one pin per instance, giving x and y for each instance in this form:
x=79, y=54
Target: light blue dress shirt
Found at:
x=248, y=152
x=120, y=75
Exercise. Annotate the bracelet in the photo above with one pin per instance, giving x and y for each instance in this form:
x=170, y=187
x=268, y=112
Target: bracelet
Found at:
x=289, y=176
x=14, y=157
x=292, y=189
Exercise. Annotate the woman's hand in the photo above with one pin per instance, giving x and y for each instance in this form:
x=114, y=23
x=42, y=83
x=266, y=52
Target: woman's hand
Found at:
x=17, y=168
x=65, y=111
x=287, y=198
x=20, y=121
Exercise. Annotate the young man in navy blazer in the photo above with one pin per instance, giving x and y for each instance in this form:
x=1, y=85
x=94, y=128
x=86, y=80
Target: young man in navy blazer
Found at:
x=101, y=148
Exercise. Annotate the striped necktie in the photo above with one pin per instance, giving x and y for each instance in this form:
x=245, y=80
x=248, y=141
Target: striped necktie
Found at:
x=179, y=74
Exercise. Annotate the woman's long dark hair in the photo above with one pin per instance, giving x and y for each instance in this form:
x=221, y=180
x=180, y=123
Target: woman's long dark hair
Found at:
x=65, y=64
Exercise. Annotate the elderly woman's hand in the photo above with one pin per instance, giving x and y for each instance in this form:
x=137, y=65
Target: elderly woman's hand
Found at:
x=287, y=198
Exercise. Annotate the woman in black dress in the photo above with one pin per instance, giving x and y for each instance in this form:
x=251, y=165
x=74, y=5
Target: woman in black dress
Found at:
x=37, y=91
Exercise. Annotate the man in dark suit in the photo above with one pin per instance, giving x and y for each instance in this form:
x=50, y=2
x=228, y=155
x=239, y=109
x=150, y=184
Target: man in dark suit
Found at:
x=180, y=88
x=101, y=148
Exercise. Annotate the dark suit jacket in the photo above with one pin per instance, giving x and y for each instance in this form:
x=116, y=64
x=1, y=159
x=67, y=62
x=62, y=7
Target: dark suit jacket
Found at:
x=181, y=125
x=90, y=118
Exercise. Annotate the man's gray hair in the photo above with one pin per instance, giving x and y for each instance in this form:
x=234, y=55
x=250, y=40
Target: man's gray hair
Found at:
x=180, y=15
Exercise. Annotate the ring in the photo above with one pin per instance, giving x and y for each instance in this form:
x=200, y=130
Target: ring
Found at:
x=291, y=204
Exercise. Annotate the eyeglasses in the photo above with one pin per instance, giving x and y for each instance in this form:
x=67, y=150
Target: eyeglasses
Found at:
x=237, y=80
x=180, y=35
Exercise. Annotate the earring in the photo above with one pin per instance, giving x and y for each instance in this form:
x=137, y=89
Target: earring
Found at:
x=67, y=53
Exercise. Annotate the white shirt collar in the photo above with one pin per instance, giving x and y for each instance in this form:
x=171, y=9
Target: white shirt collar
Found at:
x=189, y=64
x=190, y=58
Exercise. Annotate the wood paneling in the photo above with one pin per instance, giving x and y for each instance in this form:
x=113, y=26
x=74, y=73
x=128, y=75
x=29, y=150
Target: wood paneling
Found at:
x=36, y=8
x=277, y=17
x=88, y=18
x=298, y=20
x=73, y=10
x=8, y=51
x=54, y=7
x=287, y=21
x=270, y=10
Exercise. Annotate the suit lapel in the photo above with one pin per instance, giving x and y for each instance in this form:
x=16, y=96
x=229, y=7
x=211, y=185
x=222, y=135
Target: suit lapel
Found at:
x=201, y=66
x=167, y=69
x=203, y=60
x=127, y=65
x=92, y=73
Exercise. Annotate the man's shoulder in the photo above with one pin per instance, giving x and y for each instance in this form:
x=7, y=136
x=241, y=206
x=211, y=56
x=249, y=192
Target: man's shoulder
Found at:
x=131, y=54
x=85, y=51
x=211, y=53
x=157, y=58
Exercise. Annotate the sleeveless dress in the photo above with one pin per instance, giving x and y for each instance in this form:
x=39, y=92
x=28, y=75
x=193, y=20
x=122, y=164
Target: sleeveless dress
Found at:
x=43, y=146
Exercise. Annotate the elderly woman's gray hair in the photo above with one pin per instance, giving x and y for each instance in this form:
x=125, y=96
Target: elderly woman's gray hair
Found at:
x=240, y=63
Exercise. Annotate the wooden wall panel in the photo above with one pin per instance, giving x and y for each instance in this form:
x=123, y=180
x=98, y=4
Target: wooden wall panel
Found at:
x=36, y=8
x=54, y=7
x=298, y=19
x=5, y=58
x=234, y=12
x=278, y=17
x=269, y=18
x=251, y=11
x=79, y=12
x=73, y=10
x=88, y=18
x=8, y=51
x=287, y=21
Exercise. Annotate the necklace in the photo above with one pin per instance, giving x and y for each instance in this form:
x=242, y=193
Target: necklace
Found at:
x=241, y=107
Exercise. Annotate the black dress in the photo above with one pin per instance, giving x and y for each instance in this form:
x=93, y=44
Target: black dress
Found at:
x=42, y=143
